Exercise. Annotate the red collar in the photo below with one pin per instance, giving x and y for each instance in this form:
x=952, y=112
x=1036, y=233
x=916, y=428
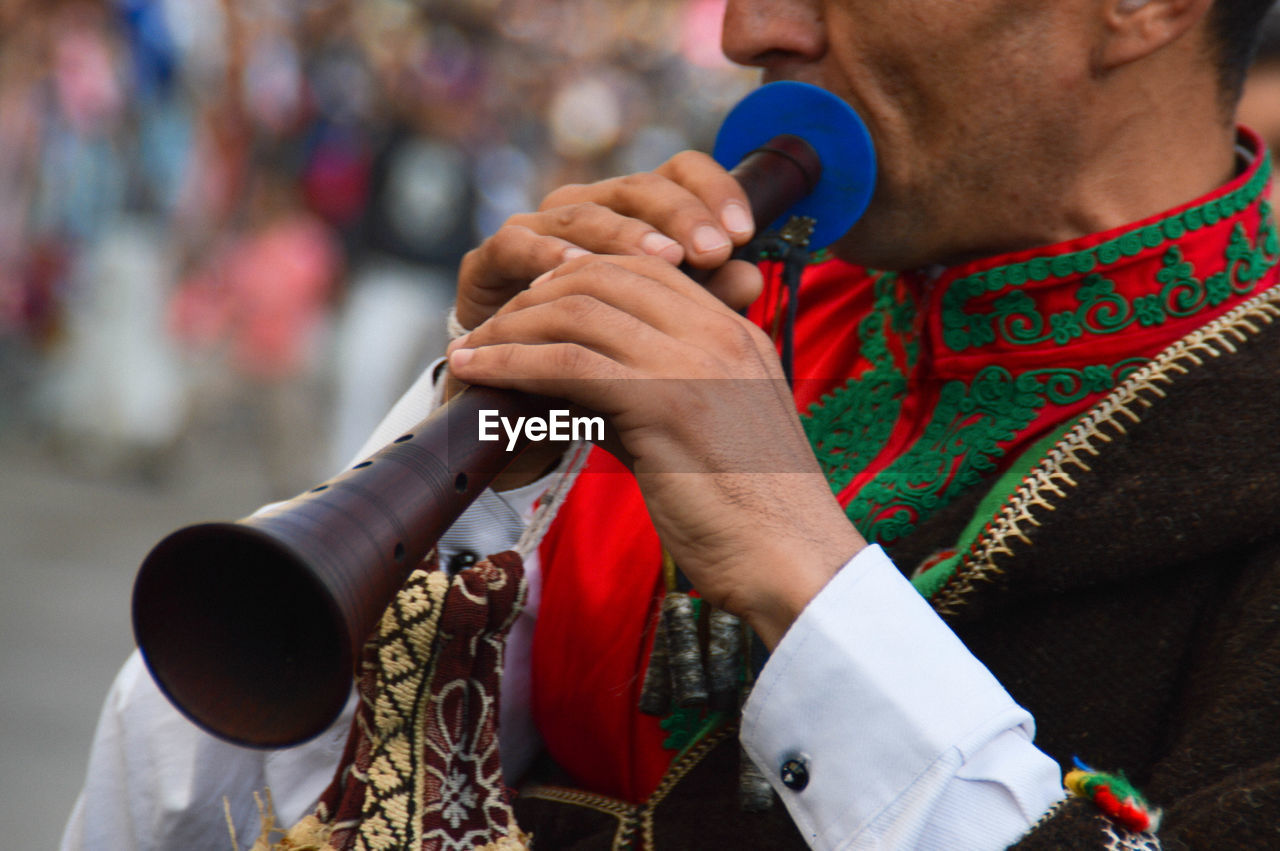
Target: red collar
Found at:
x=913, y=389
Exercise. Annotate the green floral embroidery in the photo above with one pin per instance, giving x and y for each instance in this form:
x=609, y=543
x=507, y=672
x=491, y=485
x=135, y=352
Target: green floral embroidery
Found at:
x=1015, y=317
x=1217, y=288
x=1148, y=311
x=903, y=313
x=1016, y=320
x=1183, y=294
x=962, y=442
x=849, y=426
x=973, y=421
x=1068, y=386
x=1066, y=327
x=957, y=447
x=1248, y=262
x=1102, y=309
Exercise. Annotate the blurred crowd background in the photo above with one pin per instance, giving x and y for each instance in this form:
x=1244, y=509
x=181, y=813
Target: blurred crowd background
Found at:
x=244, y=216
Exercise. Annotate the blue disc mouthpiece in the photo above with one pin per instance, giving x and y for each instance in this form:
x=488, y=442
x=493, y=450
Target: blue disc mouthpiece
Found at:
x=834, y=130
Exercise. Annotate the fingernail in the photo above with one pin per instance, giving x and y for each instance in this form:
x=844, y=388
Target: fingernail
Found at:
x=707, y=239
x=456, y=343
x=736, y=218
x=574, y=251
x=543, y=278
x=460, y=357
x=656, y=243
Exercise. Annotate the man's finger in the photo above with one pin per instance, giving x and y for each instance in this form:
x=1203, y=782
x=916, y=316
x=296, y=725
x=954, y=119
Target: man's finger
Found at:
x=716, y=188
x=668, y=206
x=644, y=287
x=736, y=283
x=576, y=318
x=566, y=371
x=601, y=230
x=503, y=266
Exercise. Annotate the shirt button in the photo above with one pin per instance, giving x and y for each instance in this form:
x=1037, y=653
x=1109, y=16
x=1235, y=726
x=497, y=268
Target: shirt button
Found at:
x=461, y=560
x=795, y=774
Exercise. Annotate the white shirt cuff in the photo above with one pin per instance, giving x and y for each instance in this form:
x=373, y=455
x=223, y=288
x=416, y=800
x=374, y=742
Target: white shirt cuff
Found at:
x=889, y=715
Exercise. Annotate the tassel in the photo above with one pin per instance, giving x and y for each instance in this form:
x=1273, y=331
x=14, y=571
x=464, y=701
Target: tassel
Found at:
x=755, y=795
x=724, y=660
x=655, y=694
x=684, y=656
x=1114, y=796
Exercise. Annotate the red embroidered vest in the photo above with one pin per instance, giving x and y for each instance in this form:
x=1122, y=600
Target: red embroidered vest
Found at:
x=912, y=389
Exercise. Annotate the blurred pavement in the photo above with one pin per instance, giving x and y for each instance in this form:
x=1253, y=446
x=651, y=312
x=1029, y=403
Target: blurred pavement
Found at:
x=70, y=543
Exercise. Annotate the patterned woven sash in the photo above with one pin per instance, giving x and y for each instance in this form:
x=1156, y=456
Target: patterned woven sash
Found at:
x=421, y=767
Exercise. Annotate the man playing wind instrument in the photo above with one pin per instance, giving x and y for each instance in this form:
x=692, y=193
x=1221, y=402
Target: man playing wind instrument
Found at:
x=1025, y=516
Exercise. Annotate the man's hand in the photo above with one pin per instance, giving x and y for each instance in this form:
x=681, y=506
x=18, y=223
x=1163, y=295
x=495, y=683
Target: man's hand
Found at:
x=689, y=210
x=701, y=412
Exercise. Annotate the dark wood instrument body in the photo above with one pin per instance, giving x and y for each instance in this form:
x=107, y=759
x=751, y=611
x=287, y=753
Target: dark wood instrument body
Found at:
x=252, y=627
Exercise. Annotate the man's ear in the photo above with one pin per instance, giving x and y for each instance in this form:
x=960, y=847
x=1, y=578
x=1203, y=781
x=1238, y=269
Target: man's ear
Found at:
x=1137, y=28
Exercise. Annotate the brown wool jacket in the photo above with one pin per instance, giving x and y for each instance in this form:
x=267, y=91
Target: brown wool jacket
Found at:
x=1124, y=587
x=1128, y=593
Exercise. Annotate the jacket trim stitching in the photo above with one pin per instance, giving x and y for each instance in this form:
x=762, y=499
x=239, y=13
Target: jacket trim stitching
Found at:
x=1049, y=481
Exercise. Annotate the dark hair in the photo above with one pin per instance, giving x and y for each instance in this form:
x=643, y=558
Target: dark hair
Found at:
x=1235, y=27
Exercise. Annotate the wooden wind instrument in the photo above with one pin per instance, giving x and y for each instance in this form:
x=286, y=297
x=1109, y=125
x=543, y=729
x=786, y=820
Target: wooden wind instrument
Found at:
x=252, y=628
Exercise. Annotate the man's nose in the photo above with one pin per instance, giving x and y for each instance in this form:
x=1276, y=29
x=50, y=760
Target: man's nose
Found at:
x=774, y=34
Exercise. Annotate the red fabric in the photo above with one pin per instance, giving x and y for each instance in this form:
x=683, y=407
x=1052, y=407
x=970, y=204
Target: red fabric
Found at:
x=599, y=603
x=602, y=560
